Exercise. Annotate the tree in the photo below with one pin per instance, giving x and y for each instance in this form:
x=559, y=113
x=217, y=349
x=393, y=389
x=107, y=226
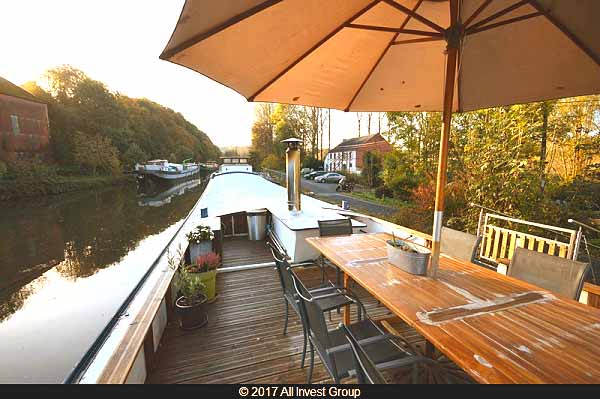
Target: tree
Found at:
x=371, y=168
x=134, y=155
x=95, y=153
x=77, y=103
x=262, y=132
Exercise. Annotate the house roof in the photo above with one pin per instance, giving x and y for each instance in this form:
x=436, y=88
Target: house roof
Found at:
x=11, y=89
x=354, y=142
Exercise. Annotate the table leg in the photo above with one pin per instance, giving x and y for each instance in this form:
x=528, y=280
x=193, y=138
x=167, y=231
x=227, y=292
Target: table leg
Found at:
x=429, y=349
x=347, y=307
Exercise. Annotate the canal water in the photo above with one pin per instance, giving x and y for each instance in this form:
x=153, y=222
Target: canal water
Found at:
x=67, y=263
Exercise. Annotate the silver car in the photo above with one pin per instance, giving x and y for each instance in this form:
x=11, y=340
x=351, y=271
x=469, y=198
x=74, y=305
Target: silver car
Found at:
x=331, y=177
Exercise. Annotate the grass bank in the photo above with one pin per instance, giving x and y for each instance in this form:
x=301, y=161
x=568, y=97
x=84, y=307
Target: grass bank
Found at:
x=369, y=196
x=26, y=188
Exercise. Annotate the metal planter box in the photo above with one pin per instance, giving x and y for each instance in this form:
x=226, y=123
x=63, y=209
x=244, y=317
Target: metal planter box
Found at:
x=409, y=261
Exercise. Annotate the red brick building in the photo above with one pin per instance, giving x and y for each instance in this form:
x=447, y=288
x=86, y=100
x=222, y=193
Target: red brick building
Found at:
x=24, y=127
x=349, y=154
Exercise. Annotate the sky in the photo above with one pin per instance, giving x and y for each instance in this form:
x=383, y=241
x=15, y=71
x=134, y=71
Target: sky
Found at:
x=118, y=42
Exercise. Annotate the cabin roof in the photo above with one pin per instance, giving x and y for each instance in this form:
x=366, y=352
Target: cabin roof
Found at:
x=356, y=142
x=10, y=89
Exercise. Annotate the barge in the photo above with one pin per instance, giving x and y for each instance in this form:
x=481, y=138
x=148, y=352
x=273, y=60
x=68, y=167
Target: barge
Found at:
x=242, y=342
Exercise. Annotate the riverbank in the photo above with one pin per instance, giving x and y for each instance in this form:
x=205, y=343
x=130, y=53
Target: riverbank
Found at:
x=27, y=188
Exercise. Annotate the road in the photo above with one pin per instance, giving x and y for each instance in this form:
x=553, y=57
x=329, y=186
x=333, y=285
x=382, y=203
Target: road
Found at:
x=326, y=192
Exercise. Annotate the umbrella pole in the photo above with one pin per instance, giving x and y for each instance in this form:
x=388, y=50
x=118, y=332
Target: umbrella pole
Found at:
x=452, y=56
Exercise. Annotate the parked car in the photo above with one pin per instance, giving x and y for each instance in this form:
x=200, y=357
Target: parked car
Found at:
x=305, y=171
x=331, y=177
x=313, y=175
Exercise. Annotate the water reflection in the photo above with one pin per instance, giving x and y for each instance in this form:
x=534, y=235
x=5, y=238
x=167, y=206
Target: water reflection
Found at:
x=52, y=247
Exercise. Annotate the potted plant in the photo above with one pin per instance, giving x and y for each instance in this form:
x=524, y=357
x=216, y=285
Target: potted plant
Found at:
x=200, y=241
x=408, y=256
x=191, y=303
x=206, y=269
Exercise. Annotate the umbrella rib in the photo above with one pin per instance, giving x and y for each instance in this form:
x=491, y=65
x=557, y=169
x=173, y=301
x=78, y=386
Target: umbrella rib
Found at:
x=404, y=23
x=420, y=40
x=213, y=31
x=477, y=12
x=416, y=16
x=471, y=31
x=313, y=48
x=595, y=57
x=499, y=14
x=395, y=30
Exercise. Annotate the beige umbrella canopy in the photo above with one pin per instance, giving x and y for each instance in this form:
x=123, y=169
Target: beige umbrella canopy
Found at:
x=394, y=55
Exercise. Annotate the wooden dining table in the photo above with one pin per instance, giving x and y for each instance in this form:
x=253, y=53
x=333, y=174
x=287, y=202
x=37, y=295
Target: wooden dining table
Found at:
x=496, y=328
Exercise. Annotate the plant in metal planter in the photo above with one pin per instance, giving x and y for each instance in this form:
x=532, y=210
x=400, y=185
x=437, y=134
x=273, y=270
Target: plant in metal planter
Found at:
x=410, y=257
x=192, y=301
x=200, y=241
x=206, y=269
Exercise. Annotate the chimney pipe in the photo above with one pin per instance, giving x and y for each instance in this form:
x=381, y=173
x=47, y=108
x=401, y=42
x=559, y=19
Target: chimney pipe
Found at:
x=292, y=166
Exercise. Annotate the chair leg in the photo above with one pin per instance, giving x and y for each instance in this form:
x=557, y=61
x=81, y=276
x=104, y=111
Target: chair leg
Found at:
x=312, y=363
x=415, y=373
x=285, y=326
x=322, y=270
x=303, y=347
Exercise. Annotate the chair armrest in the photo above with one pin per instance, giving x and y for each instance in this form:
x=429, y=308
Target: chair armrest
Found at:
x=333, y=294
x=366, y=341
x=354, y=297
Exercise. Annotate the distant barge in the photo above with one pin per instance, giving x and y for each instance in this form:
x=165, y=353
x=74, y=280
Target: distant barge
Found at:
x=163, y=170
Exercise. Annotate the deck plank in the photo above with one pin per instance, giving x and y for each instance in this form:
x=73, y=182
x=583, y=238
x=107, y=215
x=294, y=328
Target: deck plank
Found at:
x=243, y=341
x=239, y=251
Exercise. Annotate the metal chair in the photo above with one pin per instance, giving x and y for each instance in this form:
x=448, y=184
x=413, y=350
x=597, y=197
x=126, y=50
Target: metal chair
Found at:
x=329, y=228
x=459, y=245
x=384, y=350
x=563, y=276
x=329, y=297
x=366, y=370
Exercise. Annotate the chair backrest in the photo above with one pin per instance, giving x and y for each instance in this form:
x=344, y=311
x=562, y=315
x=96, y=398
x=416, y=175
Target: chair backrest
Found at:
x=314, y=321
x=335, y=227
x=459, y=245
x=563, y=276
x=366, y=371
x=281, y=265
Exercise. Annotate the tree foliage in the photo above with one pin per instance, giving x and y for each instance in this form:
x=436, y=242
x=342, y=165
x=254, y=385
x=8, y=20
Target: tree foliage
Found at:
x=275, y=123
x=495, y=160
x=131, y=129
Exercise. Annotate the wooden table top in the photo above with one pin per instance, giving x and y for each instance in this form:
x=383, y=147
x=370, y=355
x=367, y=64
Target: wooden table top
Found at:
x=497, y=328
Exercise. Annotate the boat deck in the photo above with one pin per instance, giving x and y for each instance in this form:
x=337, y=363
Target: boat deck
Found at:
x=243, y=342
x=240, y=251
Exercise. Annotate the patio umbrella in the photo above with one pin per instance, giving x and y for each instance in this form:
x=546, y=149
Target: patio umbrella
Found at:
x=394, y=55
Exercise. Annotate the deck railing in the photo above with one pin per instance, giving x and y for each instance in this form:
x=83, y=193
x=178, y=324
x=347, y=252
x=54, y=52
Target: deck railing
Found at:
x=499, y=242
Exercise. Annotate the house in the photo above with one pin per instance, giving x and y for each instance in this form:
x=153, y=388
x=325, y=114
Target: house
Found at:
x=24, y=126
x=349, y=154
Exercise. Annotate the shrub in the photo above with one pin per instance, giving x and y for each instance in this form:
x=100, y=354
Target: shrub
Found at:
x=312, y=162
x=353, y=178
x=31, y=171
x=3, y=169
x=272, y=161
x=383, y=192
x=190, y=286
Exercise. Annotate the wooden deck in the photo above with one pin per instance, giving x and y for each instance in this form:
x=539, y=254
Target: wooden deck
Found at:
x=239, y=251
x=243, y=341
